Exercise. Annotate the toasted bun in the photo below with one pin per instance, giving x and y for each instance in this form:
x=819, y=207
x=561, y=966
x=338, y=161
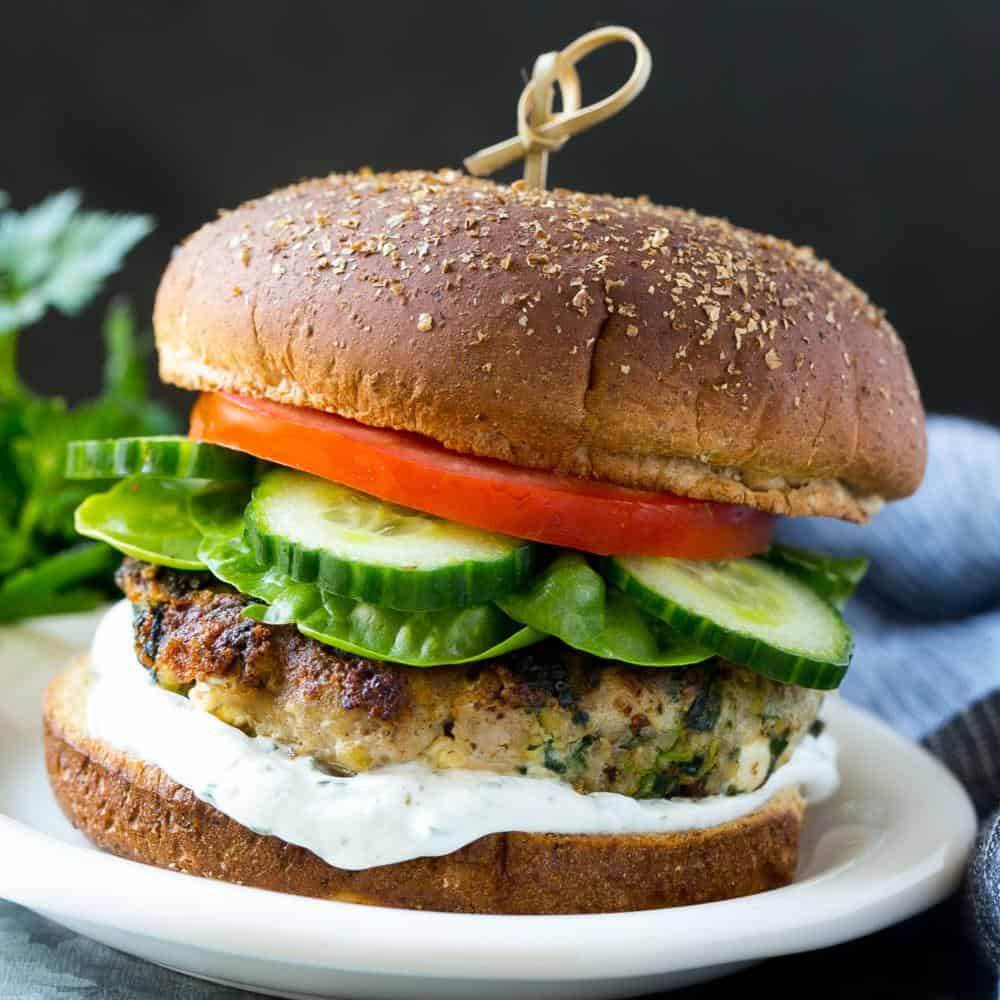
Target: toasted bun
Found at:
x=133, y=809
x=597, y=336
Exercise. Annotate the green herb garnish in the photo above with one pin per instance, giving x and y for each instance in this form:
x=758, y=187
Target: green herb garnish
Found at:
x=55, y=256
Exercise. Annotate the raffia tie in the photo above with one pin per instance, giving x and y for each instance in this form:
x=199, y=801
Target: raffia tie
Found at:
x=539, y=131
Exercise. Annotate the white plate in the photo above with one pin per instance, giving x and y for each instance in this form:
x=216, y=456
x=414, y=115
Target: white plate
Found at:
x=891, y=843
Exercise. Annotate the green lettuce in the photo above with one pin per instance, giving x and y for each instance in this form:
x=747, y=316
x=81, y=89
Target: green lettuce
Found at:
x=150, y=519
x=197, y=525
x=832, y=577
x=573, y=602
x=419, y=639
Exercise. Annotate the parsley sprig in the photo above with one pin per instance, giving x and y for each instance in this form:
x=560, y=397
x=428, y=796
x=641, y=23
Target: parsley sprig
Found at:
x=57, y=256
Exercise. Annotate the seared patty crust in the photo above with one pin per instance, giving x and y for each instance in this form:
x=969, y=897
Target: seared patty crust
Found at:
x=549, y=710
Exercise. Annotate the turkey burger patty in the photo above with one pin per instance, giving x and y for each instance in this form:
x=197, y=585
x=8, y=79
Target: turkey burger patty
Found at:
x=549, y=711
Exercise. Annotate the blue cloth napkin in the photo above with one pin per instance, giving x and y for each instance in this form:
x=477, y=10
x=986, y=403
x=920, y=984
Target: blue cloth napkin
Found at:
x=927, y=617
x=927, y=620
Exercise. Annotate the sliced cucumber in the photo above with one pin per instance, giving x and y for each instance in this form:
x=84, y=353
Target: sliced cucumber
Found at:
x=416, y=638
x=167, y=457
x=358, y=546
x=745, y=610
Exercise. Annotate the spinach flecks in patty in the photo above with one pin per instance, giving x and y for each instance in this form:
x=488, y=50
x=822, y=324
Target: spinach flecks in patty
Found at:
x=703, y=715
x=549, y=711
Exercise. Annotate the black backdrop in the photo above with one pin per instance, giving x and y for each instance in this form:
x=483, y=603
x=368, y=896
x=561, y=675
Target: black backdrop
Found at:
x=866, y=129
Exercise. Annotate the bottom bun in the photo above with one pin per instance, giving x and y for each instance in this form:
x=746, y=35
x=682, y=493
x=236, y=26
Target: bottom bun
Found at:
x=133, y=809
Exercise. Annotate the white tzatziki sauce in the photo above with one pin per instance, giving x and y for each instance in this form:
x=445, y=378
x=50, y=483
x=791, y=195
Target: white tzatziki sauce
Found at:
x=390, y=814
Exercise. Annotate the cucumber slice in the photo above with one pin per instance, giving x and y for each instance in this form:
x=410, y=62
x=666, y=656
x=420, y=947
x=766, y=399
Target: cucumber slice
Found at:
x=745, y=610
x=167, y=457
x=418, y=639
x=357, y=546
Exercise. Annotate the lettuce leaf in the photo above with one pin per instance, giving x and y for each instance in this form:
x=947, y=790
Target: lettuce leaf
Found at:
x=573, y=602
x=198, y=525
x=149, y=519
x=195, y=525
x=832, y=577
x=419, y=639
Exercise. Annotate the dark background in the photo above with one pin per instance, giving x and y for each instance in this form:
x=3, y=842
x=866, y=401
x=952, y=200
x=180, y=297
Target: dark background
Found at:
x=865, y=129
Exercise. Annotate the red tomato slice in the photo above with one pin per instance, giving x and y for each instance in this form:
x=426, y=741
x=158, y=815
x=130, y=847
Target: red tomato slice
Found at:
x=416, y=472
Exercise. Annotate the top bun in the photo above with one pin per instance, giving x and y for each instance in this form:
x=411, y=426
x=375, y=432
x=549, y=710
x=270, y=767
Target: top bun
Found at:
x=602, y=337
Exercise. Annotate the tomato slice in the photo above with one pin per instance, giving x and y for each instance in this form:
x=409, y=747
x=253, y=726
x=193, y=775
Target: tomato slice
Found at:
x=415, y=472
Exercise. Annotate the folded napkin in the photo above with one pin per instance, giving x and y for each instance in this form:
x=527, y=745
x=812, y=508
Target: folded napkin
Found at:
x=927, y=620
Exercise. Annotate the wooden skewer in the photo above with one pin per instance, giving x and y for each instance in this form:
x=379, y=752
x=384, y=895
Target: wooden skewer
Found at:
x=539, y=131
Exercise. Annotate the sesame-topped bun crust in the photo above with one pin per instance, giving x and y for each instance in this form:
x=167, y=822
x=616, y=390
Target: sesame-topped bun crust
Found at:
x=597, y=336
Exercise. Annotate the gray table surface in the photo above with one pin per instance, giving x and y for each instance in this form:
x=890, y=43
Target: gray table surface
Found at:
x=926, y=956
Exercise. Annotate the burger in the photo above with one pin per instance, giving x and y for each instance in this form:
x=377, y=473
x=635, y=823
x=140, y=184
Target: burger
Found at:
x=461, y=594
